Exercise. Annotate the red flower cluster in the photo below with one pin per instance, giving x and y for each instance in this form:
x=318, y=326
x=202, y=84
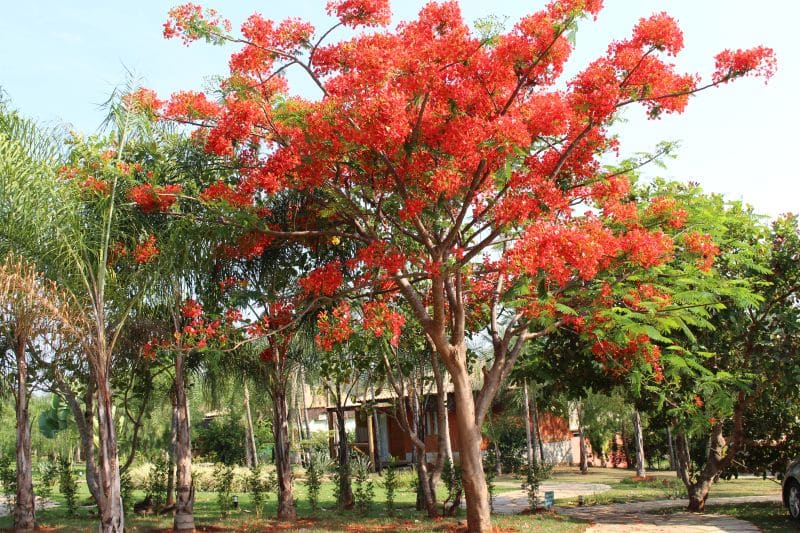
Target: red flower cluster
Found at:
x=96, y=186
x=189, y=105
x=323, y=281
x=190, y=22
x=702, y=245
x=147, y=251
x=249, y=245
x=221, y=191
x=334, y=327
x=379, y=319
x=621, y=359
x=151, y=199
x=360, y=12
x=759, y=61
x=667, y=208
x=142, y=100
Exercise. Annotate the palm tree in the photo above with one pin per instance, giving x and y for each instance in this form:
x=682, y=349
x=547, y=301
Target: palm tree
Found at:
x=66, y=225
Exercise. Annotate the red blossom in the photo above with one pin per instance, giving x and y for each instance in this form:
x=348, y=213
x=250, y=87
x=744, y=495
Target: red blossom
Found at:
x=759, y=61
x=147, y=251
x=151, y=199
x=323, y=281
x=360, y=12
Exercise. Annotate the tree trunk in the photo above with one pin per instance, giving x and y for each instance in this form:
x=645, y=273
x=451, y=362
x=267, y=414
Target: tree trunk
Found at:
x=584, y=459
x=469, y=436
x=251, y=453
x=112, y=518
x=425, y=496
x=172, y=445
x=537, y=434
x=24, y=509
x=346, y=500
x=184, y=499
x=639, y=439
x=672, y=461
x=528, y=438
x=444, y=449
x=283, y=466
x=376, y=426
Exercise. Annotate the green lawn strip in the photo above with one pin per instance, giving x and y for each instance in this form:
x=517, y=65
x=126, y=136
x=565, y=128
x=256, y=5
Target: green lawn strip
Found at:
x=207, y=515
x=770, y=517
x=659, y=486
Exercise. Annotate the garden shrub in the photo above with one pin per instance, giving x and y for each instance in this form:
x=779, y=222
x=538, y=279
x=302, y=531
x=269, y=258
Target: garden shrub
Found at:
x=156, y=487
x=390, y=485
x=316, y=467
x=48, y=473
x=223, y=474
x=364, y=490
x=67, y=485
x=8, y=478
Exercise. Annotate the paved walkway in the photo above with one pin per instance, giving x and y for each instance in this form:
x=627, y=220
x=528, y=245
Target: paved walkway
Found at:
x=516, y=501
x=638, y=517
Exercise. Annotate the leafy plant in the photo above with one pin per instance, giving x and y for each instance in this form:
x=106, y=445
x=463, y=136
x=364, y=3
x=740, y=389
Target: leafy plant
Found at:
x=364, y=487
x=156, y=487
x=126, y=490
x=223, y=474
x=8, y=478
x=390, y=485
x=451, y=475
x=48, y=473
x=67, y=485
x=316, y=467
x=257, y=488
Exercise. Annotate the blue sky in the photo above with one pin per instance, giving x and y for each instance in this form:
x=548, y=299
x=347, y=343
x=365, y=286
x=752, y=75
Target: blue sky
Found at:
x=60, y=59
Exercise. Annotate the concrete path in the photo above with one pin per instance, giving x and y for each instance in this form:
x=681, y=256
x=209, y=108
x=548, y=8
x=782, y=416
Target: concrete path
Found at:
x=638, y=517
x=516, y=501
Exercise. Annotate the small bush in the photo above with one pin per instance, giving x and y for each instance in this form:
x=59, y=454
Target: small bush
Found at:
x=67, y=485
x=156, y=486
x=48, y=473
x=224, y=476
x=316, y=467
x=258, y=489
x=8, y=478
x=364, y=492
x=390, y=485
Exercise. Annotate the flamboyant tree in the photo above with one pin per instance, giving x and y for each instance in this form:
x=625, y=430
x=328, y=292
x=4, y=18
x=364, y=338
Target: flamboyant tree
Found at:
x=459, y=166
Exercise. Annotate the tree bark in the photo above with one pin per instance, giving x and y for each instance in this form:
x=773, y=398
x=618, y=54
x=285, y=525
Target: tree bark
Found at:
x=672, y=461
x=584, y=460
x=251, y=453
x=469, y=432
x=528, y=437
x=184, y=498
x=444, y=448
x=112, y=518
x=283, y=466
x=346, y=500
x=537, y=434
x=720, y=454
x=172, y=445
x=425, y=494
x=639, y=439
x=24, y=508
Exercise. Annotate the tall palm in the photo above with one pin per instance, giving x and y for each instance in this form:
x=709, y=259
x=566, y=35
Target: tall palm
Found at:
x=67, y=233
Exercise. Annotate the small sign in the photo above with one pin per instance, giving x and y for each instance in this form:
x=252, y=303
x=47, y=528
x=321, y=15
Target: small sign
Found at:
x=549, y=498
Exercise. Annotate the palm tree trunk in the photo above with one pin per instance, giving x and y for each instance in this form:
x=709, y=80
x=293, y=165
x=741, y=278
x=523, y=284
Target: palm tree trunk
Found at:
x=251, y=452
x=346, y=500
x=112, y=518
x=184, y=498
x=639, y=438
x=24, y=508
x=528, y=438
x=283, y=467
x=172, y=445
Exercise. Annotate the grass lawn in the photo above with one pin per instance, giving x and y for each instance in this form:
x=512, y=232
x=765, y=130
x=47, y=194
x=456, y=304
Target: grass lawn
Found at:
x=208, y=517
x=660, y=485
x=769, y=517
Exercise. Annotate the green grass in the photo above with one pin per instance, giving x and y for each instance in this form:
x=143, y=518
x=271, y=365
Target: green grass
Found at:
x=208, y=517
x=769, y=517
x=660, y=485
